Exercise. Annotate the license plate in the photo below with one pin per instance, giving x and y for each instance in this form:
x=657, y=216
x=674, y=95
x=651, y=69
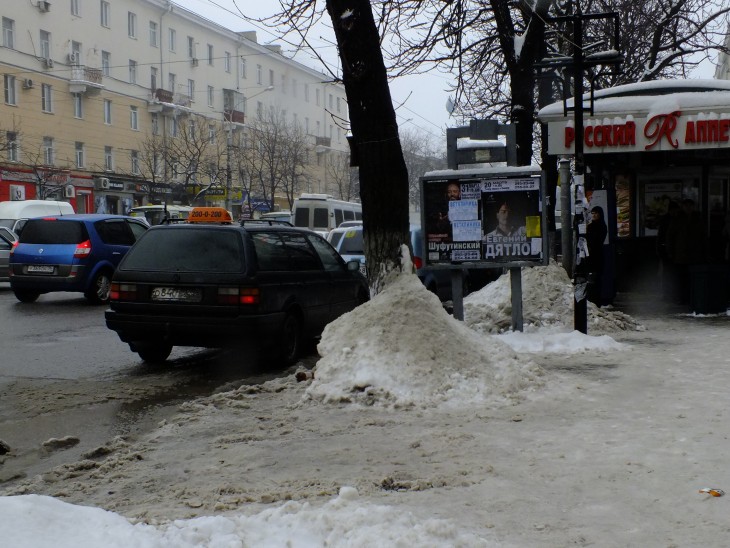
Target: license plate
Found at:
x=177, y=294
x=40, y=268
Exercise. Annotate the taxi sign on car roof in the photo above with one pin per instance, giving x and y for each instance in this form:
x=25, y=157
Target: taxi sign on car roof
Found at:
x=210, y=215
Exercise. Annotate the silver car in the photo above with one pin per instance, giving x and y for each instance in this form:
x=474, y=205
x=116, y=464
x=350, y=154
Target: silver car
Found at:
x=7, y=239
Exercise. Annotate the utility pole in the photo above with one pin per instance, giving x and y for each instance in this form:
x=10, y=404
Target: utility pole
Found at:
x=576, y=65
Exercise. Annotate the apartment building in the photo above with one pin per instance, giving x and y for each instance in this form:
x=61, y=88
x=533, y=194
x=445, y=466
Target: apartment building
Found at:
x=88, y=84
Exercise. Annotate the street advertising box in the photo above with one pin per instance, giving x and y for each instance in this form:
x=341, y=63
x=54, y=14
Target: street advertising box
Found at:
x=490, y=217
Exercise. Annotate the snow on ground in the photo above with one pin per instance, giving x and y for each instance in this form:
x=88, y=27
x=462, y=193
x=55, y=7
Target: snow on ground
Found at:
x=416, y=430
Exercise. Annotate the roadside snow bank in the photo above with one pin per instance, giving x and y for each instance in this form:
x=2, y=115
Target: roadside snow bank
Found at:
x=429, y=359
x=547, y=300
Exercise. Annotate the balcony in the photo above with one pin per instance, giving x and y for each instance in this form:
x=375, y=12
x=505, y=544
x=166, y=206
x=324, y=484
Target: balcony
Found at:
x=234, y=116
x=85, y=80
x=168, y=103
x=323, y=142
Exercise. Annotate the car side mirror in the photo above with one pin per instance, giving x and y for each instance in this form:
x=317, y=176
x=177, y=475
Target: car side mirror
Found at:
x=353, y=265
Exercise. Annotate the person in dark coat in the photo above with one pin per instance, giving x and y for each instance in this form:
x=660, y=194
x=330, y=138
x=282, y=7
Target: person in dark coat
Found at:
x=595, y=236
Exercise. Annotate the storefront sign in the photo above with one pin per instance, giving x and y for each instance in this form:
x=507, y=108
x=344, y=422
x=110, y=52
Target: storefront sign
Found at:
x=668, y=131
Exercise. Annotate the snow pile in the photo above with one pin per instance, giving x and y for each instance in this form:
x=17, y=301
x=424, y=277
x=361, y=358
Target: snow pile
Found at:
x=547, y=300
x=403, y=349
x=345, y=520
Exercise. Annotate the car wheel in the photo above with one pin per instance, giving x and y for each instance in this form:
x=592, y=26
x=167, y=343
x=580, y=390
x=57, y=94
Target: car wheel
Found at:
x=153, y=352
x=26, y=296
x=291, y=339
x=98, y=292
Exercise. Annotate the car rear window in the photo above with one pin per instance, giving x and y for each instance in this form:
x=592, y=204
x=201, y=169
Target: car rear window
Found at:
x=41, y=231
x=187, y=250
x=352, y=243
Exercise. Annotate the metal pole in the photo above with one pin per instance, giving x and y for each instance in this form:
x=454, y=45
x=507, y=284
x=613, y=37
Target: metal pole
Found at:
x=566, y=219
x=515, y=278
x=457, y=293
x=580, y=278
x=229, y=145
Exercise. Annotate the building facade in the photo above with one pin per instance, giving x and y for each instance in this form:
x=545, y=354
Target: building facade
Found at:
x=95, y=91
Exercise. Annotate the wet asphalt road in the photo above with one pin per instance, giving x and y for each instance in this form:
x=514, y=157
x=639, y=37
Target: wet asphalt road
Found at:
x=63, y=374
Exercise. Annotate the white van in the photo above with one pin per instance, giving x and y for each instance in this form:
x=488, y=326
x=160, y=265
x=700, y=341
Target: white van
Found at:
x=14, y=214
x=322, y=212
x=156, y=214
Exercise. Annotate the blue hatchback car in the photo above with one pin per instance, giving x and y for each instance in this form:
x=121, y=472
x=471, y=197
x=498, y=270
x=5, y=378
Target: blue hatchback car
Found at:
x=77, y=253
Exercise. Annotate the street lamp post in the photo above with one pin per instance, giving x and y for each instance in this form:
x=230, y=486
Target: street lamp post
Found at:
x=229, y=144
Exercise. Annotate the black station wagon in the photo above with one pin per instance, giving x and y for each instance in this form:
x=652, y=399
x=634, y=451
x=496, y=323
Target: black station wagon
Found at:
x=266, y=286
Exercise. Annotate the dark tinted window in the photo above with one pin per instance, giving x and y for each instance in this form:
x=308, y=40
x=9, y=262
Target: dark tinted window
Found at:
x=137, y=229
x=358, y=215
x=114, y=232
x=301, y=217
x=352, y=243
x=329, y=257
x=321, y=216
x=349, y=215
x=338, y=217
x=270, y=251
x=301, y=255
x=53, y=232
x=187, y=250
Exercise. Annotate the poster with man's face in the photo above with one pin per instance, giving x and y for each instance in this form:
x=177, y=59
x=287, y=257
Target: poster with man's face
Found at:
x=489, y=220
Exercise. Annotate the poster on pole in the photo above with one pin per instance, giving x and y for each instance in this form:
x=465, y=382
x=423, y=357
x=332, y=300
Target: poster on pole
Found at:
x=490, y=218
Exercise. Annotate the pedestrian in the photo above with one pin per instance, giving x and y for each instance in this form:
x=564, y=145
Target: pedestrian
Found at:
x=596, y=233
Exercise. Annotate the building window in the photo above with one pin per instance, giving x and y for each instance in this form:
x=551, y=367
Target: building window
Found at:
x=338, y=104
x=191, y=89
x=330, y=101
x=155, y=124
x=306, y=92
x=210, y=54
x=108, y=159
x=10, y=95
x=243, y=67
x=135, y=162
x=133, y=118
x=78, y=105
x=75, y=53
x=153, y=34
x=153, y=78
x=294, y=85
x=105, y=11
x=12, y=140
x=173, y=126
x=271, y=77
x=172, y=82
x=211, y=134
x=319, y=130
x=259, y=74
x=45, y=44
x=106, y=58
x=211, y=95
x=107, y=111
x=171, y=39
x=191, y=47
x=260, y=110
x=46, y=98
x=75, y=7
x=316, y=97
x=48, y=150
x=79, y=154
x=132, y=71
x=132, y=24
x=283, y=83
x=8, y=33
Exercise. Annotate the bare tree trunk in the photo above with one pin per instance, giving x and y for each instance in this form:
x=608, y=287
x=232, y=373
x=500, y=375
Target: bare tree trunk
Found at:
x=376, y=144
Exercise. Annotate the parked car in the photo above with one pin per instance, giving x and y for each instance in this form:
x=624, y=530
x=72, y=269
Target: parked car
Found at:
x=348, y=241
x=71, y=253
x=270, y=285
x=7, y=239
x=277, y=216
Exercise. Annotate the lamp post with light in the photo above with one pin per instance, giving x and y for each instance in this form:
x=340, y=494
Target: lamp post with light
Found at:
x=229, y=142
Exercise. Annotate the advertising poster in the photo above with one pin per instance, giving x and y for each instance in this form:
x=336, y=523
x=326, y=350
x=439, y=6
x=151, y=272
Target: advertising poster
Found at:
x=495, y=221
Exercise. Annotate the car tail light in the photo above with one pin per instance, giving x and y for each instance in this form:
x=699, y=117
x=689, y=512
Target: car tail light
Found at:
x=82, y=250
x=249, y=295
x=417, y=262
x=123, y=292
x=227, y=295
x=12, y=248
x=236, y=295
